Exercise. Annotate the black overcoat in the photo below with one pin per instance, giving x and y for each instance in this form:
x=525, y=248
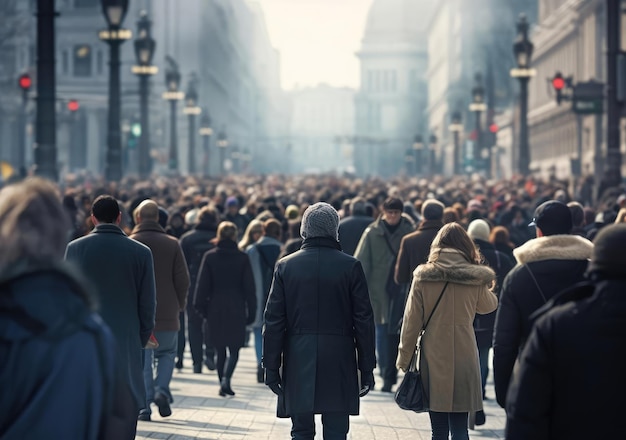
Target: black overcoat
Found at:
x=225, y=294
x=319, y=321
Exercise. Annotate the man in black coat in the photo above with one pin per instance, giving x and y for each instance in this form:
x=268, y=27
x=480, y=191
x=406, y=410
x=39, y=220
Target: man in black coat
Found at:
x=122, y=270
x=351, y=228
x=548, y=264
x=195, y=244
x=318, y=322
x=570, y=382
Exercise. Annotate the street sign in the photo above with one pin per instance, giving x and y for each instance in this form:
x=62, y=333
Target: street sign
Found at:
x=588, y=98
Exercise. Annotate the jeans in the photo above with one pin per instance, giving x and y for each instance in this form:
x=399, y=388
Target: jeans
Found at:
x=335, y=425
x=382, y=348
x=449, y=423
x=483, y=359
x=258, y=343
x=163, y=358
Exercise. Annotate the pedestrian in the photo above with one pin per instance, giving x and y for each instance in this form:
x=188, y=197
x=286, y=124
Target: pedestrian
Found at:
x=377, y=251
x=479, y=232
x=570, y=381
x=449, y=367
x=263, y=256
x=195, y=244
x=225, y=297
x=254, y=231
x=231, y=214
x=172, y=286
x=58, y=357
x=319, y=329
x=546, y=265
x=499, y=237
x=122, y=270
x=351, y=227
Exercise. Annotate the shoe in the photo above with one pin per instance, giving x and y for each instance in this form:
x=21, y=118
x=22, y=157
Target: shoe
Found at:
x=144, y=415
x=163, y=403
x=197, y=368
x=225, y=387
x=260, y=374
x=179, y=364
x=210, y=363
x=386, y=387
x=480, y=418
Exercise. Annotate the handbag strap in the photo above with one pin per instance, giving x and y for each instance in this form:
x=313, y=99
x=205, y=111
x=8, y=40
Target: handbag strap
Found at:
x=434, y=308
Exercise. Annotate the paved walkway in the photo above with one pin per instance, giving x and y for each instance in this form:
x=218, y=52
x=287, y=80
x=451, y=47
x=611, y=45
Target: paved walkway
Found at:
x=200, y=413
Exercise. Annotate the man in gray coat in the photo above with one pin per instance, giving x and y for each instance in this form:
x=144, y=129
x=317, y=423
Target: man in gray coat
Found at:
x=172, y=285
x=122, y=272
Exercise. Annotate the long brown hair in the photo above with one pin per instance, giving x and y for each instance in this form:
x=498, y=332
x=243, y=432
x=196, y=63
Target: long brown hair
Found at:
x=453, y=236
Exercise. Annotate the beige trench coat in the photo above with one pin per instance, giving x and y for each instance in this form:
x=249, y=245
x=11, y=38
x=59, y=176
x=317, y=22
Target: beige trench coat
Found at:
x=449, y=365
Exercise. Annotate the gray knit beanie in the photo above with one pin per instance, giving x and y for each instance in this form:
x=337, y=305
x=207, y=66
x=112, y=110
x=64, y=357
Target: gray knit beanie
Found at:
x=320, y=220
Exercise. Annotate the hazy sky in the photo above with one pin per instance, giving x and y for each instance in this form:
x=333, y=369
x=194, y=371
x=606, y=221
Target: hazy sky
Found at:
x=317, y=39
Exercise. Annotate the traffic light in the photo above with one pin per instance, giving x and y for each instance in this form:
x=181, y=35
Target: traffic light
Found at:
x=493, y=128
x=73, y=105
x=25, y=82
x=558, y=84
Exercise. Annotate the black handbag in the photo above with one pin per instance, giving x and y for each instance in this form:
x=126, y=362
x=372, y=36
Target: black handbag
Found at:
x=410, y=394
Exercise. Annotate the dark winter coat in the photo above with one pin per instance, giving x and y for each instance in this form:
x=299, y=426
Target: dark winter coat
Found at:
x=195, y=244
x=570, y=383
x=122, y=272
x=171, y=274
x=263, y=256
x=225, y=295
x=414, y=250
x=501, y=264
x=318, y=322
x=57, y=356
x=556, y=262
x=350, y=230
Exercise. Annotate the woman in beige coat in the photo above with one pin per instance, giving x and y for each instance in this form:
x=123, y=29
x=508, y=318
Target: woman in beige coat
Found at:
x=449, y=365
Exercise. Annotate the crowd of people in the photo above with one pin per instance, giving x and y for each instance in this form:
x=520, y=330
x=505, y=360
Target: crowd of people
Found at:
x=176, y=260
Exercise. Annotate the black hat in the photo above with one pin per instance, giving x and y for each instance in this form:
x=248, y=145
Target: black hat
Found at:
x=393, y=203
x=609, y=258
x=553, y=217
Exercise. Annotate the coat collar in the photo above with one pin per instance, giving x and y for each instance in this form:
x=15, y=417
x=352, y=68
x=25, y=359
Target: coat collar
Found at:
x=430, y=224
x=227, y=245
x=320, y=242
x=107, y=228
x=554, y=247
x=405, y=226
x=148, y=226
x=452, y=266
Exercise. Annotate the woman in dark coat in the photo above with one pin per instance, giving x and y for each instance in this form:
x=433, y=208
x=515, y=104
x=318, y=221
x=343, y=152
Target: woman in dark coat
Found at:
x=225, y=297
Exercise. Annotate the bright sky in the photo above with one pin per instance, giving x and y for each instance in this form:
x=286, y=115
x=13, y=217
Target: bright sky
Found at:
x=317, y=39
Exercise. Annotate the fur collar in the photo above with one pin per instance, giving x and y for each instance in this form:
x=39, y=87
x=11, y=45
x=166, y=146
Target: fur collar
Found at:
x=452, y=266
x=554, y=247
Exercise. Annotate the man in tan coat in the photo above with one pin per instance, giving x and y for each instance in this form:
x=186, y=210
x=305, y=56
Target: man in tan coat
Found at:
x=172, y=285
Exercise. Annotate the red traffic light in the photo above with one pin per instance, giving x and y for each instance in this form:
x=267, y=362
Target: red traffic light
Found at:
x=73, y=105
x=25, y=82
x=493, y=128
x=558, y=82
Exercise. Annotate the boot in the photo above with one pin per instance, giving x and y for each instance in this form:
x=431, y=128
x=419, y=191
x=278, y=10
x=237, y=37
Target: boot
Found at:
x=225, y=388
x=260, y=374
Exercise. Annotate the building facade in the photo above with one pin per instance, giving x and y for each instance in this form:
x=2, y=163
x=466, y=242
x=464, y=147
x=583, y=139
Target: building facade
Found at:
x=392, y=97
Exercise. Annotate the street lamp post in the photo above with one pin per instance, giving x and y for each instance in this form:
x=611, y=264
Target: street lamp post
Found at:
x=114, y=12
x=206, y=132
x=478, y=106
x=418, y=147
x=456, y=127
x=409, y=161
x=222, y=145
x=246, y=159
x=144, y=51
x=173, y=95
x=45, y=133
x=432, y=154
x=192, y=110
x=523, y=51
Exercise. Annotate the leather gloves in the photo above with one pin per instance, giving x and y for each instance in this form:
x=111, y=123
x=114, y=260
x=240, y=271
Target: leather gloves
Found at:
x=272, y=380
x=367, y=382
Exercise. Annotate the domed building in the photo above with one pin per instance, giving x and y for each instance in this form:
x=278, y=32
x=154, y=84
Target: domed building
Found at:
x=392, y=97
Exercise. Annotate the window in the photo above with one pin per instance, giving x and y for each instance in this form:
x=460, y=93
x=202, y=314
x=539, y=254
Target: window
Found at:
x=82, y=60
x=64, y=62
x=99, y=62
x=86, y=3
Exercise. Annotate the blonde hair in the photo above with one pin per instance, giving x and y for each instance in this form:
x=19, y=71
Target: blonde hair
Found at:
x=255, y=226
x=33, y=224
x=621, y=216
x=227, y=231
